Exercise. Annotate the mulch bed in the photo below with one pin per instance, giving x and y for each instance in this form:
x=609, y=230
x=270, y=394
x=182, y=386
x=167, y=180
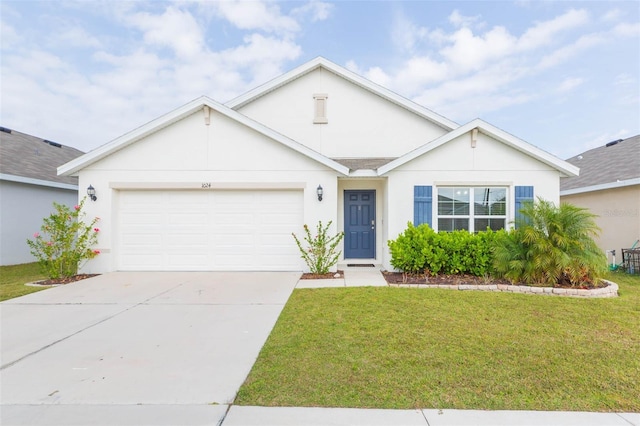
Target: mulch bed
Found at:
x=327, y=276
x=66, y=280
x=397, y=278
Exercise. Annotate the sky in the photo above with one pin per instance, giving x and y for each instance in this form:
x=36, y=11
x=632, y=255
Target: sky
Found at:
x=561, y=75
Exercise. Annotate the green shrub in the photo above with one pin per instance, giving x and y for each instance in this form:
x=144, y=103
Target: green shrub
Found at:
x=410, y=250
x=419, y=249
x=320, y=255
x=64, y=241
x=551, y=245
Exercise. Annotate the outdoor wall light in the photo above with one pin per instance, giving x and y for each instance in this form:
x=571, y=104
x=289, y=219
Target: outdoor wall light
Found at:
x=319, y=191
x=91, y=192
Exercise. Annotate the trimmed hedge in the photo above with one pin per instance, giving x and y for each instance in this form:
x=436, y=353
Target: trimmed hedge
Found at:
x=421, y=250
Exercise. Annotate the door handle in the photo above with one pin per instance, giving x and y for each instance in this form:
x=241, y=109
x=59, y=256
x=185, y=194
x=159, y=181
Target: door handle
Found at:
x=373, y=222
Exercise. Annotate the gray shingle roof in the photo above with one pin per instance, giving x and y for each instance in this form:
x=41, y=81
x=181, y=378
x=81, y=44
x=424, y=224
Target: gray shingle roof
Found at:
x=363, y=163
x=606, y=164
x=31, y=157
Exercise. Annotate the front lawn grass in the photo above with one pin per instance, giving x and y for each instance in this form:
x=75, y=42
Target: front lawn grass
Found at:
x=419, y=348
x=14, y=277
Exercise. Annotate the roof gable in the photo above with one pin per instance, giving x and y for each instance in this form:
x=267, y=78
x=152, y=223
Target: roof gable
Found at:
x=31, y=159
x=350, y=76
x=180, y=113
x=562, y=166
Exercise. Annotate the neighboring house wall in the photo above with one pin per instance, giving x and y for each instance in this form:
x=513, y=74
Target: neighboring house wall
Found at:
x=609, y=186
x=618, y=211
x=188, y=153
x=24, y=206
x=359, y=123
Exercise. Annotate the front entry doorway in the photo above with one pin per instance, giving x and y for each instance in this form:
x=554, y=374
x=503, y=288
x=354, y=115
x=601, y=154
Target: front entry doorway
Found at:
x=359, y=224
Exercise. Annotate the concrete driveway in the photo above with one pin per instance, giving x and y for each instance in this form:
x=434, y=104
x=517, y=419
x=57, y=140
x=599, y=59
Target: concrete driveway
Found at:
x=136, y=348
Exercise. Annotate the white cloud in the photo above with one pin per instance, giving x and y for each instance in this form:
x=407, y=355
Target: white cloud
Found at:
x=570, y=83
x=76, y=36
x=459, y=20
x=405, y=34
x=318, y=10
x=544, y=32
x=136, y=76
x=378, y=76
x=352, y=66
x=476, y=71
x=8, y=35
x=627, y=30
x=419, y=72
x=263, y=56
x=175, y=28
x=464, y=98
x=612, y=15
x=255, y=15
x=624, y=79
x=568, y=51
x=471, y=52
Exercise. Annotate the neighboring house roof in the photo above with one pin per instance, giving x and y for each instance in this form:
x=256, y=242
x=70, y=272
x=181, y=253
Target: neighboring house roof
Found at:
x=29, y=159
x=496, y=133
x=354, y=78
x=180, y=113
x=613, y=165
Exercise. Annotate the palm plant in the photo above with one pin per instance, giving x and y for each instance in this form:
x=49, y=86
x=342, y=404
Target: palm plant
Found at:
x=551, y=245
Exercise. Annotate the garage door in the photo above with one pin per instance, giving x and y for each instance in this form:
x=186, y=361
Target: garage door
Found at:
x=209, y=230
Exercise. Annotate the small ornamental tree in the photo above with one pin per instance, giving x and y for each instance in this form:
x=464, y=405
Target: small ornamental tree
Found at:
x=320, y=255
x=64, y=241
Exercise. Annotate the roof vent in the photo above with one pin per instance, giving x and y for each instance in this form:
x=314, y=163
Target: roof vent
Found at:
x=613, y=143
x=56, y=144
x=4, y=129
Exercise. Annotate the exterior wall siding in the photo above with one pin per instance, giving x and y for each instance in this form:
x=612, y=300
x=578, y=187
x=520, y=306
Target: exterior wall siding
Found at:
x=618, y=213
x=359, y=123
x=189, y=154
x=23, y=206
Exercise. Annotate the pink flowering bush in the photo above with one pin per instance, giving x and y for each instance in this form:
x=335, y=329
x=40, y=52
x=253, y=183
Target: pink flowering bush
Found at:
x=320, y=255
x=64, y=241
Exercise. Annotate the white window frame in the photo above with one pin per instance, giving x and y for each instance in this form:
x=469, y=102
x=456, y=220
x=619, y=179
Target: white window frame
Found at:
x=471, y=216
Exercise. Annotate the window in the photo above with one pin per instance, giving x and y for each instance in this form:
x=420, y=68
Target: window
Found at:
x=320, y=101
x=472, y=208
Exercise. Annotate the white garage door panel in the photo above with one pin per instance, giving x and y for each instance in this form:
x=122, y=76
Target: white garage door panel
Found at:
x=209, y=230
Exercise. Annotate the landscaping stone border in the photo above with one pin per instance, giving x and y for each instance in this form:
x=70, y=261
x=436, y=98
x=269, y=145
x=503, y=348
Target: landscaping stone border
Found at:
x=39, y=284
x=611, y=290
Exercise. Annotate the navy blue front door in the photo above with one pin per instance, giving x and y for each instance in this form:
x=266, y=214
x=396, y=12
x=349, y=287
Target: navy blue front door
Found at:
x=359, y=224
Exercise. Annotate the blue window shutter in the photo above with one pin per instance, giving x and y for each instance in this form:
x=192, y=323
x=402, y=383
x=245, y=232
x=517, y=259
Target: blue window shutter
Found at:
x=422, y=205
x=524, y=194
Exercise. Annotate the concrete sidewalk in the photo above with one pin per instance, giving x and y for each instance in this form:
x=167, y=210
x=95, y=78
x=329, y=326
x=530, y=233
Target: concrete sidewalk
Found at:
x=311, y=416
x=225, y=415
x=354, y=276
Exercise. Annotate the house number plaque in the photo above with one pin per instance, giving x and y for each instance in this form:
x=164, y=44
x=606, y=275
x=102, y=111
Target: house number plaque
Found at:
x=206, y=185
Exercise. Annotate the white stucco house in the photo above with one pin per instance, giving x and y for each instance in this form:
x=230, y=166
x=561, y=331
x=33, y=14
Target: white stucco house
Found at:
x=29, y=184
x=213, y=186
